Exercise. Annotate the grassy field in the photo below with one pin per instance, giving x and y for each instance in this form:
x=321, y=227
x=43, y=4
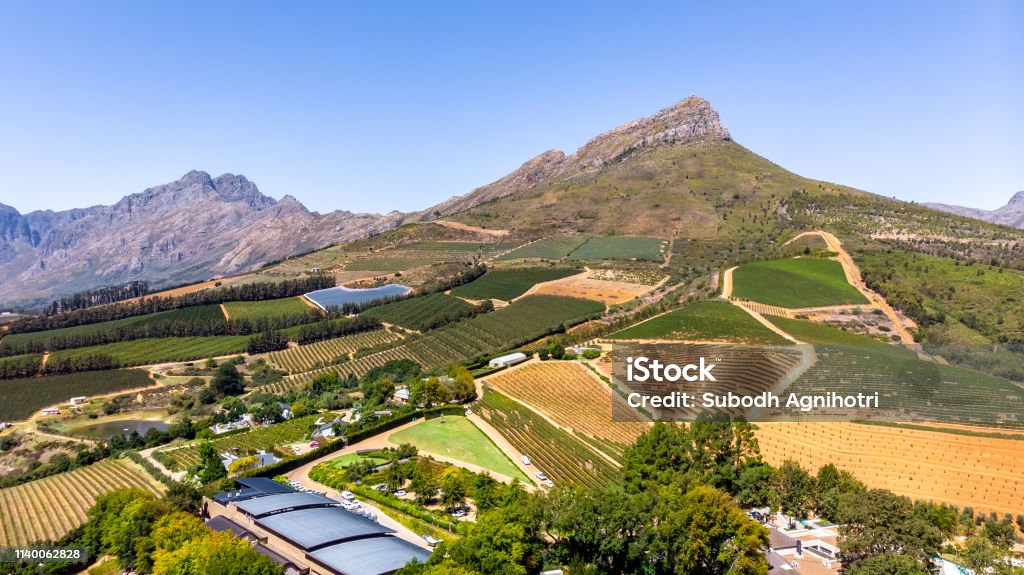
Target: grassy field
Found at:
x=47, y=509
x=620, y=248
x=350, y=458
x=795, y=283
x=458, y=438
x=198, y=314
x=704, y=321
x=159, y=349
x=810, y=332
x=509, y=284
x=421, y=313
x=265, y=309
x=22, y=397
x=554, y=247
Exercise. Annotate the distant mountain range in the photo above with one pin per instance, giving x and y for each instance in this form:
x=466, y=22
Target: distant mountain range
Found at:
x=1012, y=214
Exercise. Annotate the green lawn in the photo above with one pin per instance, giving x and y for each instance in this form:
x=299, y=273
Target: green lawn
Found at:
x=810, y=332
x=509, y=284
x=619, y=248
x=709, y=320
x=265, y=309
x=350, y=458
x=458, y=438
x=795, y=283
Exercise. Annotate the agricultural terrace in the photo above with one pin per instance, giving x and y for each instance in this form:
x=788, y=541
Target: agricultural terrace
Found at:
x=795, y=283
x=568, y=394
x=49, y=508
x=563, y=457
x=25, y=396
x=423, y=312
x=422, y=254
x=322, y=353
x=181, y=457
x=984, y=473
x=158, y=349
x=921, y=389
x=509, y=284
x=266, y=309
x=525, y=320
x=553, y=248
x=586, y=287
x=620, y=248
x=704, y=321
x=457, y=438
x=203, y=314
x=818, y=333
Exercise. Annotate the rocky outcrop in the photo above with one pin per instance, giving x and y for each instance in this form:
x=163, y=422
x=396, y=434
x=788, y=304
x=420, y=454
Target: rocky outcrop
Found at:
x=188, y=230
x=691, y=120
x=1012, y=214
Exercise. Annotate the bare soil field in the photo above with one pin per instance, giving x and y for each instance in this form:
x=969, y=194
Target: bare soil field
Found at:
x=984, y=473
x=585, y=287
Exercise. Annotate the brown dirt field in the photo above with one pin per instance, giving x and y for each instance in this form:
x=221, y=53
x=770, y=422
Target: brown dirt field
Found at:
x=987, y=474
x=581, y=286
x=569, y=395
x=469, y=228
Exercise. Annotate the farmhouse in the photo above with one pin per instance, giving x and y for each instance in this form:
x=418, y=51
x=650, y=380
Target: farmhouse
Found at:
x=78, y=400
x=308, y=533
x=507, y=360
x=51, y=411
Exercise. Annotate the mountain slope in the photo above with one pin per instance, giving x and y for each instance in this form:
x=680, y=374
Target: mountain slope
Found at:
x=1012, y=214
x=187, y=230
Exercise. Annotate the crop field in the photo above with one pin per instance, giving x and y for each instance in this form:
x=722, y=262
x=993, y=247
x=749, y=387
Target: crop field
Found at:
x=525, y=320
x=568, y=394
x=704, y=321
x=621, y=248
x=270, y=308
x=922, y=390
x=554, y=247
x=178, y=458
x=316, y=355
x=25, y=365
x=961, y=470
x=421, y=313
x=422, y=254
x=23, y=396
x=810, y=332
x=628, y=276
x=585, y=287
x=456, y=437
x=795, y=283
x=199, y=314
x=509, y=284
x=565, y=459
x=49, y=508
x=159, y=349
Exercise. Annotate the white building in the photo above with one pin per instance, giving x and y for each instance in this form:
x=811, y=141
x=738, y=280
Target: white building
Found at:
x=78, y=400
x=51, y=411
x=507, y=360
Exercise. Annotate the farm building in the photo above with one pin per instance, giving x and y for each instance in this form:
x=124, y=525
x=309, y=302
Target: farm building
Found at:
x=78, y=400
x=308, y=533
x=507, y=360
x=51, y=411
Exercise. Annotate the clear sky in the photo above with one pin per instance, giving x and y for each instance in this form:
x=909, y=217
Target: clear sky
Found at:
x=380, y=105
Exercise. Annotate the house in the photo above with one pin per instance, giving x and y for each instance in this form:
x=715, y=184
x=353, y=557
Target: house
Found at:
x=286, y=410
x=327, y=429
x=220, y=428
x=507, y=360
x=263, y=459
x=401, y=395
x=78, y=400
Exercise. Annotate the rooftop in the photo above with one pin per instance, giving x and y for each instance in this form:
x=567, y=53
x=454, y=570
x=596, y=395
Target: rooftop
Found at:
x=311, y=529
x=369, y=556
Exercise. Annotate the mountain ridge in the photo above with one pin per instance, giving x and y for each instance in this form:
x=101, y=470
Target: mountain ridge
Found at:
x=1011, y=214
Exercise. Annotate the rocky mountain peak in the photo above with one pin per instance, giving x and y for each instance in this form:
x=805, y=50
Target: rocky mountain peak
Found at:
x=1017, y=198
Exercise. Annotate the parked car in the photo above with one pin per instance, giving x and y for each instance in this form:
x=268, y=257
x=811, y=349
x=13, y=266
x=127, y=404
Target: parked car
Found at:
x=430, y=540
x=549, y=483
x=349, y=505
x=459, y=513
x=381, y=487
x=400, y=492
x=348, y=496
x=526, y=460
x=314, y=444
x=541, y=475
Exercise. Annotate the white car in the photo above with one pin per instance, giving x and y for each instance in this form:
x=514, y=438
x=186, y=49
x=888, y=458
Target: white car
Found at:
x=541, y=475
x=400, y=492
x=430, y=540
x=347, y=495
x=549, y=483
x=459, y=513
x=349, y=505
x=526, y=460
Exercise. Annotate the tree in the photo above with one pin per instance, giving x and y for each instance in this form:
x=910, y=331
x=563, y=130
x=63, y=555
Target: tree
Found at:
x=227, y=381
x=796, y=489
x=878, y=522
x=218, y=554
x=422, y=484
x=497, y=544
x=376, y=392
x=453, y=488
x=212, y=466
x=394, y=476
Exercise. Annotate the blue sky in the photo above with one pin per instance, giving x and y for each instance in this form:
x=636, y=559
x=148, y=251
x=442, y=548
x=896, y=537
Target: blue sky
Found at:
x=375, y=106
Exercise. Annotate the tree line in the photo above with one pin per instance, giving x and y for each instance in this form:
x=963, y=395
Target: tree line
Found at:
x=99, y=296
x=242, y=292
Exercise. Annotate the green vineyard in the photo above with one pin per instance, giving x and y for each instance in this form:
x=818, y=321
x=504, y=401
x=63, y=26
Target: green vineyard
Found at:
x=178, y=458
x=322, y=353
x=23, y=396
x=47, y=509
x=421, y=313
x=157, y=349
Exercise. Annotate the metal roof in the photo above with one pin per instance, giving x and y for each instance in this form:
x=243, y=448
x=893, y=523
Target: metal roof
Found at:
x=263, y=484
x=268, y=504
x=221, y=523
x=311, y=529
x=373, y=556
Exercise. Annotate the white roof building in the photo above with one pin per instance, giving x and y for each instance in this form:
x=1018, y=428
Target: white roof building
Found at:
x=507, y=360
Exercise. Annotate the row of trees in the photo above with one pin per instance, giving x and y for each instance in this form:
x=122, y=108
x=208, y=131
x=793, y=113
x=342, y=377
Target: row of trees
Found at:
x=242, y=292
x=98, y=296
x=327, y=328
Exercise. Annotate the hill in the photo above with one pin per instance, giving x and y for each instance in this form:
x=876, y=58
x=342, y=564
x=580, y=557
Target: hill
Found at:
x=1012, y=214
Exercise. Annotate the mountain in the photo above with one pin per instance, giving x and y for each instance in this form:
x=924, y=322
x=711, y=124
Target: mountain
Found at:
x=189, y=230
x=1012, y=214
